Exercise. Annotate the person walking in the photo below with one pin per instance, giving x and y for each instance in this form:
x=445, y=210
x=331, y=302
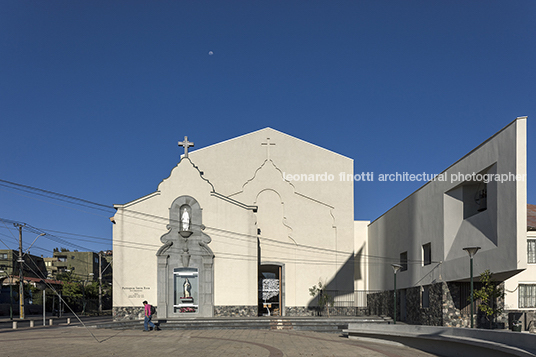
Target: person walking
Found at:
x=148, y=316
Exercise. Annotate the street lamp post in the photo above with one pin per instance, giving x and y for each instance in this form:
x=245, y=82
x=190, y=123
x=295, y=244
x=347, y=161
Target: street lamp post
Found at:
x=11, y=296
x=396, y=268
x=471, y=251
x=42, y=286
x=100, y=283
x=21, y=273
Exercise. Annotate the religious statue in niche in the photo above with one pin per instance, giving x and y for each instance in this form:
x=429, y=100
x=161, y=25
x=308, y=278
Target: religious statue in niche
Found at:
x=187, y=288
x=185, y=220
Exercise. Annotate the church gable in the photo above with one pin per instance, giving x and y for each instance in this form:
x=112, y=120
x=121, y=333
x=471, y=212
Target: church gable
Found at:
x=282, y=213
x=230, y=164
x=185, y=177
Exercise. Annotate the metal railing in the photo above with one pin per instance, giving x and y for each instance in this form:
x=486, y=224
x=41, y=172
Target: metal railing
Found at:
x=349, y=298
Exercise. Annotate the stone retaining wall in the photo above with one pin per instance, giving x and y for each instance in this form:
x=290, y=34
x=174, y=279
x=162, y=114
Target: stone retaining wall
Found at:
x=137, y=313
x=300, y=311
x=235, y=311
x=443, y=309
x=128, y=313
x=381, y=304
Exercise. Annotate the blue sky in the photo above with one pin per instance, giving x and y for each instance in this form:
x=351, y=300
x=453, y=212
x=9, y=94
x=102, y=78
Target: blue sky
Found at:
x=95, y=95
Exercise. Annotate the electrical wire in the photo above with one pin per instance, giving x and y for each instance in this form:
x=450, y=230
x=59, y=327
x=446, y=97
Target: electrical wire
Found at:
x=51, y=287
x=265, y=241
x=55, y=195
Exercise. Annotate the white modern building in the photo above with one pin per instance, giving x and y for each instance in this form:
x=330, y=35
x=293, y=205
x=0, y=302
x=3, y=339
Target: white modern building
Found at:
x=479, y=201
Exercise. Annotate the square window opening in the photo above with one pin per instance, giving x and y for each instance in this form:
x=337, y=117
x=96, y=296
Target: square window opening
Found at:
x=425, y=297
x=404, y=261
x=427, y=254
x=527, y=296
x=531, y=251
x=475, y=198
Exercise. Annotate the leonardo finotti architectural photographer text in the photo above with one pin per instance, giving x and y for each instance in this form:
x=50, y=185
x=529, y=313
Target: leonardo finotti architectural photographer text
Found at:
x=405, y=177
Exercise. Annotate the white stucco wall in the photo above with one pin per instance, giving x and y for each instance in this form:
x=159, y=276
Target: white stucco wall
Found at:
x=362, y=261
x=511, y=286
x=141, y=223
x=435, y=214
x=306, y=225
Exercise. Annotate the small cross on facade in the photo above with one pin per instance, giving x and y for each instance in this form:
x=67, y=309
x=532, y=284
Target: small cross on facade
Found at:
x=267, y=144
x=186, y=144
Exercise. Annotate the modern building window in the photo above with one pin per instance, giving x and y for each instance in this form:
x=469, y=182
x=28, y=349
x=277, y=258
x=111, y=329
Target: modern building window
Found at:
x=475, y=198
x=427, y=254
x=62, y=259
x=527, y=295
x=425, y=297
x=472, y=194
x=404, y=261
x=3, y=256
x=531, y=251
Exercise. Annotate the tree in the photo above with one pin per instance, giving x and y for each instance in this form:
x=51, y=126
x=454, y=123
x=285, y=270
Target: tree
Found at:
x=488, y=295
x=72, y=291
x=92, y=290
x=324, y=299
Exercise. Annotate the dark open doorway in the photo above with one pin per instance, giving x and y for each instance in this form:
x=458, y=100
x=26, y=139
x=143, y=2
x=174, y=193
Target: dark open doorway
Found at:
x=270, y=290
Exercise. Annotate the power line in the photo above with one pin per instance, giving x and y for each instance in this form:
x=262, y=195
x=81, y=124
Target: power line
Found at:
x=133, y=214
x=155, y=218
x=274, y=243
x=75, y=234
x=55, y=195
x=58, y=295
x=34, y=230
x=136, y=214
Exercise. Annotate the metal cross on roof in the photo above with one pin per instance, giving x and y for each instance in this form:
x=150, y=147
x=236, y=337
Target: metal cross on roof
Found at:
x=186, y=144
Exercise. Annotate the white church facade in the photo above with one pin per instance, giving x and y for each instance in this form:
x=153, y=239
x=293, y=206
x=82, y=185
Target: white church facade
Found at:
x=246, y=226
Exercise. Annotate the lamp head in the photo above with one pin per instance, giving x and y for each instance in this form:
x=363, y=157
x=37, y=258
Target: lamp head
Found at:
x=471, y=251
x=396, y=267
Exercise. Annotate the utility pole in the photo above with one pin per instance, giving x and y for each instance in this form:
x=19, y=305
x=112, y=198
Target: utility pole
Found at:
x=21, y=274
x=100, y=283
x=11, y=294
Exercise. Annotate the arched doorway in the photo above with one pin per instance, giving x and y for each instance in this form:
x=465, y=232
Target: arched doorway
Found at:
x=271, y=290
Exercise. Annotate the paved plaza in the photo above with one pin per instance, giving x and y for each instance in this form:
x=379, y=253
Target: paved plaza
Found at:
x=79, y=341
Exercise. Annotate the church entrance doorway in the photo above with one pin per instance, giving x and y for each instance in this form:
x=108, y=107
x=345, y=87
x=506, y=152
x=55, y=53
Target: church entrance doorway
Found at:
x=270, y=290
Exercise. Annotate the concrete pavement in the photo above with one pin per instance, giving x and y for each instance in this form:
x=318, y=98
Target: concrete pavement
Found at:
x=80, y=341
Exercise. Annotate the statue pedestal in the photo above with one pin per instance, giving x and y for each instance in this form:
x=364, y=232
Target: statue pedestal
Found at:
x=185, y=234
